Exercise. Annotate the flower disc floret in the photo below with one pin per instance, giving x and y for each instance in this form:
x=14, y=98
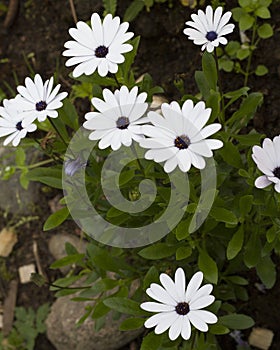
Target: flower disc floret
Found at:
x=208, y=29
x=178, y=137
x=12, y=123
x=267, y=160
x=177, y=307
x=39, y=100
x=99, y=47
x=118, y=120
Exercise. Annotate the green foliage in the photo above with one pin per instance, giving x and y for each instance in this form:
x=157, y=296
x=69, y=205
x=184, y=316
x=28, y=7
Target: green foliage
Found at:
x=27, y=326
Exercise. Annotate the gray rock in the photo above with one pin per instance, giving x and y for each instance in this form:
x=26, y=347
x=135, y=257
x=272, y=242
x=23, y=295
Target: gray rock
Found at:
x=65, y=335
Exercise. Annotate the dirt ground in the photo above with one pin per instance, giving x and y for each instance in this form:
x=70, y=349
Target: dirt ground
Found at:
x=36, y=35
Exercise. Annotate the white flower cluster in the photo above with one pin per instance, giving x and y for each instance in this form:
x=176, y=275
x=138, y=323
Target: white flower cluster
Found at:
x=35, y=101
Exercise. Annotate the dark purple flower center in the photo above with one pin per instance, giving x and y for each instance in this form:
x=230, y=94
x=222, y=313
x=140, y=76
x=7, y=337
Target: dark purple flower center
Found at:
x=182, y=308
x=182, y=142
x=211, y=36
x=19, y=126
x=101, y=51
x=122, y=123
x=276, y=172
x=40, y=106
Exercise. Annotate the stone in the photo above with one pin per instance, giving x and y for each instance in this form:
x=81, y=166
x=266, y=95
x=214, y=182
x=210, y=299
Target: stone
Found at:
x=25, y=273
x=64, y=334
x=8, y=239
x=261, y=338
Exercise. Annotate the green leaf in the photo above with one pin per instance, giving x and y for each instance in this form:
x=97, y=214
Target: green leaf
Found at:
x=183, y=253
x=210, y=70
x=237, y=321
x=110, y=6
x=67, y=260
x=231, y=155
x=223, y=215
x=56, y=219
x=208, y=266
x=150, y=277
x=261, y=70
x=265, y=31
x=235, y=244
x=244, y=3
x=20, y=156
x=226, y=64
x=131, y=324
x=232, y=47
x=252, y=252
x=245, y=204
x=237, y=280
x=262, y=12
x=242, y=53
x=69, y=115
x=157, y=251
x=218, y=329
x=151, y=341
x=48, y=176
x=266, y=271
x=246, y=22
x=100, y=310
x=202, y=84
x=124, y=305
x=133, y=10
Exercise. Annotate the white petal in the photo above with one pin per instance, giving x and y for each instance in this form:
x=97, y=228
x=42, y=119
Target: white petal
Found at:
x=156, y=307
x=170, y=164
x=156, y=319
x=176, y=328
x=160, y=294
x=186, y=329
x=202, y=302
x=169, y=286
x=166, y=322
x=102, y=67
x=206, y=316
x=193, y=285
x=180, y=282
x=97, y=29
x=262, y=182
x=203, y=291
x=197, y=322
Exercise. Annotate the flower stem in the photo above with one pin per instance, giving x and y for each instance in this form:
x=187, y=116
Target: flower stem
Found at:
x=138, y=161
x=116, y=79
x=247, y=71
x=73, y=11
x=222, y=104
x=58, y=132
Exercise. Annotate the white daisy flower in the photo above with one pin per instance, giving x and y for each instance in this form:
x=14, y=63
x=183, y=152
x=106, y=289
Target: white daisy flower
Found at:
x=208, y=29
x=178, y=307
x=178, y=138
x=11, y=123
x=118, y=119
x=38, y=100
x=98, y=47
x=267, y=159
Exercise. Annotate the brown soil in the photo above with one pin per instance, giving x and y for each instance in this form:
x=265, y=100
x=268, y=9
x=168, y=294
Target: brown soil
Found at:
x=37, y=35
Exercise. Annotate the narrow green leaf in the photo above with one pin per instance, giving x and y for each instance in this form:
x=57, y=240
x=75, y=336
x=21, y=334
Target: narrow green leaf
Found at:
x=245, y=204
x=124, y=305
x=202, y=84
x=252, y=252
x=183, y=253
x=48, y=176
x=266, y=271
x=150, y=277
x=151, y=341
x=210, y=70
x=236, y=321
x=218, y=329
x=235, y=244
x=231, y=155
x=133, y=10
x=223, y=215
x=157, y=251
x=56, y=219
x=131, y=324
x=110, y=6
x=208, y=266
x=67, y=260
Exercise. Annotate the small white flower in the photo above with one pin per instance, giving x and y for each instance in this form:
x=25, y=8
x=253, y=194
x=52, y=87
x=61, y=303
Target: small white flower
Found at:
x=117, y=121
x=267, y=159
x=98, y=47
x=178, y=307
x=38, y=100
x=179, y=137
x=208, y=29
x=11, y=123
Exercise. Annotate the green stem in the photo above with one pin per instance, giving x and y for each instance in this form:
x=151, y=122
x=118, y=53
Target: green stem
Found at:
x=247, y=71
x=116, y=79
x=222, y=105
x=57, y=131
x=138, y=161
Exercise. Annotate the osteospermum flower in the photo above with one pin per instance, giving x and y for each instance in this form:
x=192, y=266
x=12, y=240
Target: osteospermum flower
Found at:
x=268, y=161
x=118, y=119
x=208, y=29
x=11, y=123
x=98, y=47
x=177, y=307
x=179, y=137
x=38, y=100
